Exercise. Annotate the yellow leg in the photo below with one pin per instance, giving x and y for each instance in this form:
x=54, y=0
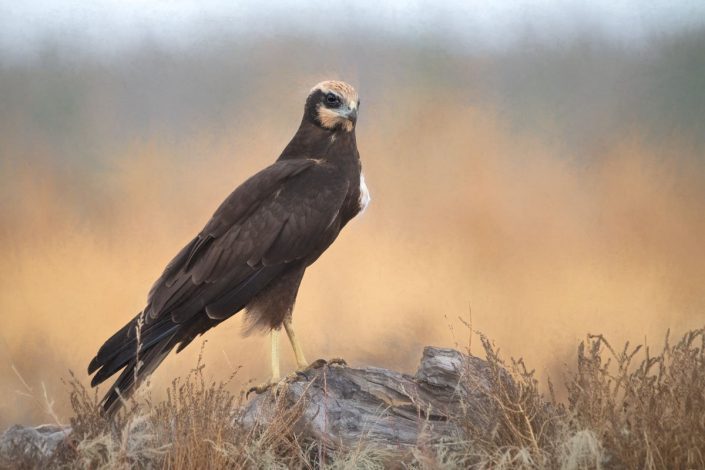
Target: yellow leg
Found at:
x=275, y=356
x=276, y=376
x=301, y=361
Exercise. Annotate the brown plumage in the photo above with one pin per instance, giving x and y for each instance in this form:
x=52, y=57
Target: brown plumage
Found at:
x=253, y=252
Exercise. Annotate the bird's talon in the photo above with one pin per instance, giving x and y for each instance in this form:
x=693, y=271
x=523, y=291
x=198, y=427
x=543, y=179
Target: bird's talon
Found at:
x=293, y=377
x=258, y=389
x=338, y=361
x=302, y=374
x=317, y=364
x=275, y=387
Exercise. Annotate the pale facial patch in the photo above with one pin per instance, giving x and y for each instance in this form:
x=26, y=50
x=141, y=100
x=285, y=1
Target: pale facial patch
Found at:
x=330, y=119
x=364, y=194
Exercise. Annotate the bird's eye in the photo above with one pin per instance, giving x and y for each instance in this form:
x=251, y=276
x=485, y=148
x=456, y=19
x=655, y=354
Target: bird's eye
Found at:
x=332, y=98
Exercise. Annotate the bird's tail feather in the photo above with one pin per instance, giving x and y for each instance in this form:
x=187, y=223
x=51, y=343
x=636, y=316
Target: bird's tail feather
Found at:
x=137, y=349
x=137, y=369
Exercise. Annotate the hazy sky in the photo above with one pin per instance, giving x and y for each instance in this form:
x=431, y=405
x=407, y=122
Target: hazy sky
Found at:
x=116, y=24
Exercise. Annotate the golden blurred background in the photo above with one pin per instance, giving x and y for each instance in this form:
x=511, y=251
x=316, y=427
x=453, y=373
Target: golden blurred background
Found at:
x=545, y=189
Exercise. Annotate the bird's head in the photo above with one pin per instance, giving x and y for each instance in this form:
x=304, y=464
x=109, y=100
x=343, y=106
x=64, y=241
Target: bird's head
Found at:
x=333, y=105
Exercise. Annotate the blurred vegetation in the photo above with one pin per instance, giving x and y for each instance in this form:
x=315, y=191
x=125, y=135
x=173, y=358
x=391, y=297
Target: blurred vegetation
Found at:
x=583, y=93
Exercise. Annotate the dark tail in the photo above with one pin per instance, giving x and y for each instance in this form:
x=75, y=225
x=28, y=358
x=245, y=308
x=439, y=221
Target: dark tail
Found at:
x=135, y=349
x=138, y=350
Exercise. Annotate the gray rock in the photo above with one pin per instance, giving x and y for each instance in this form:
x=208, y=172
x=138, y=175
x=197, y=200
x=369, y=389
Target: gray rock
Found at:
x=341, y=407
x=36, y=442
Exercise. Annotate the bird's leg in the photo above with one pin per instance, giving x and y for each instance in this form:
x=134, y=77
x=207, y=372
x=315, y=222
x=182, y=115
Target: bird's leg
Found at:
x=276, y=375
x=301, y=361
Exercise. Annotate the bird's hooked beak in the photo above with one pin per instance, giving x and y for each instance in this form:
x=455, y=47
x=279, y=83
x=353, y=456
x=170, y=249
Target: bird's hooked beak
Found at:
x=352, y=115
x=349, y=112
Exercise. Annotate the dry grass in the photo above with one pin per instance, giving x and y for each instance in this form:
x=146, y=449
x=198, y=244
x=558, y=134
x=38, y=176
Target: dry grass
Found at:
x=193, y=427
x=626, y=408
x=646, y=409
x=526, y=429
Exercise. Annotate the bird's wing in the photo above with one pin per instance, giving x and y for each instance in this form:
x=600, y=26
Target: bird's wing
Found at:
x=281, y=215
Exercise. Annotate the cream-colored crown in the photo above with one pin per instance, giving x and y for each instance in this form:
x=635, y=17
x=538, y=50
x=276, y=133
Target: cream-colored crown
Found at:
x=342, y=89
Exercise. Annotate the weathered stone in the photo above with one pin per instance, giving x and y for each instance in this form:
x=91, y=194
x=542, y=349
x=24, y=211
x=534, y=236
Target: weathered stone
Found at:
x=343, y=406
x=32, y=441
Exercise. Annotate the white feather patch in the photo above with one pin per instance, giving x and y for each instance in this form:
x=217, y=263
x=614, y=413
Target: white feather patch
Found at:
x=364, y=194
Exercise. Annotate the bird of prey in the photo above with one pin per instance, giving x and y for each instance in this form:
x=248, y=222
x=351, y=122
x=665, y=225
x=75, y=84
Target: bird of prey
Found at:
x=253, y=252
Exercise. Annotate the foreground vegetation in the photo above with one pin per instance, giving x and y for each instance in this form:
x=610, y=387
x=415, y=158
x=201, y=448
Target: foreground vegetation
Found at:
x=625, y=408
